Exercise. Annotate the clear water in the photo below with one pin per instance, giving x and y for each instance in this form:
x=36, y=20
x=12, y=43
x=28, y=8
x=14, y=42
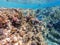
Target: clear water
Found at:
x=29, y=3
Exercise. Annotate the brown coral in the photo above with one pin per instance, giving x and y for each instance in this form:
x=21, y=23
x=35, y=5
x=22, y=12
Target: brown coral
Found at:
x=19, y=29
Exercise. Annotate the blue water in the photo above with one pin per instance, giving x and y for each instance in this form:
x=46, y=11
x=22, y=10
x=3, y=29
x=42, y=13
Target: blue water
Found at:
x=7, y=4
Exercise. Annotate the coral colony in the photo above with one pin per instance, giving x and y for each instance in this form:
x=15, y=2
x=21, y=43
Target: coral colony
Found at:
x=19, y=29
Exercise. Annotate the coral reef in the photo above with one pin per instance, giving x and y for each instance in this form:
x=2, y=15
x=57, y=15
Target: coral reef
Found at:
x=17, y=28
x=51, y=17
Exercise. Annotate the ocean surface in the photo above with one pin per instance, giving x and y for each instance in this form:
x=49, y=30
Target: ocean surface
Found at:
x=32, y=5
